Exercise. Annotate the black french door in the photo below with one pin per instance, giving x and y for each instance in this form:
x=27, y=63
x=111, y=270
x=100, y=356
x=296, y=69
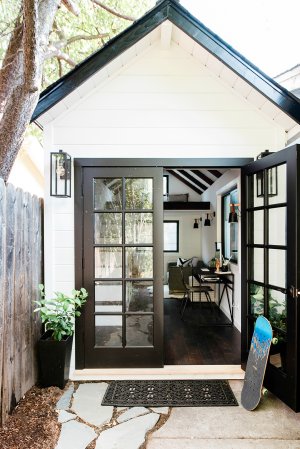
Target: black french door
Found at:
x=122, y=269
x=271, y=269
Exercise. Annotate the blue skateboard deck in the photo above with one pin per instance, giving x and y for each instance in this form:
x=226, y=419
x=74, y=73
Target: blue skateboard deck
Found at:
x=256, y=364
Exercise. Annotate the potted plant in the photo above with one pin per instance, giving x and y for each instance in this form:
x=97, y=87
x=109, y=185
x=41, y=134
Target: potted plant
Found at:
x=54, y=348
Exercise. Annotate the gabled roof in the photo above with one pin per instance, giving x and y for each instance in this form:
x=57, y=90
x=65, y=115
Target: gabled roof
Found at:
x=174, y=12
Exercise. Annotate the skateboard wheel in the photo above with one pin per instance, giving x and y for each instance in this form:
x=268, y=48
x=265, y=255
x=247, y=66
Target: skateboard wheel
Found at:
x=275, y=340
x=265, y=392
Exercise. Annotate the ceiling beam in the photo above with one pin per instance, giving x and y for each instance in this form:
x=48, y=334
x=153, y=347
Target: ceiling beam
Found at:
x=193, y=179
x=203, y=177
x=216, y=173
x=184, y=181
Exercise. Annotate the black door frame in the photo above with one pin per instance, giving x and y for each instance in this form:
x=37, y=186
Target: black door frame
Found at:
x=79, y=165
x=288, y=392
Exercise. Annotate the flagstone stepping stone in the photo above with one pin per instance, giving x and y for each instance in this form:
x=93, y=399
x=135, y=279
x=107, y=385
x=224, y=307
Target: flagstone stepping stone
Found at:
x=128, y=435
x=75, y=435
x=161, y=410
x=64, y=416
x=87, y=404
x=133, y=412
x=65, y=401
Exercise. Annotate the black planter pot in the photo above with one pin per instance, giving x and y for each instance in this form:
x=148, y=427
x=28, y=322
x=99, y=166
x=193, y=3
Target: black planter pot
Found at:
x=54, y=360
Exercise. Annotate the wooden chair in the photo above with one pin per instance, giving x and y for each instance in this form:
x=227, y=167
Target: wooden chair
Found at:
x=190, y=290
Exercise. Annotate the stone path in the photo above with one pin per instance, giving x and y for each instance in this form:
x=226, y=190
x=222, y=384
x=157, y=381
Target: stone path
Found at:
x=84, y=420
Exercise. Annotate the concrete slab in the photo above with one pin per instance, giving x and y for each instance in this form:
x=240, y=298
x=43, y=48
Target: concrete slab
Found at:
x=128, y=435
x=75, y=435
x=65, y=401
x=222, y=444
x=271, y=421
x=133, y=412
x=64, y=416
x=161, y=410
x=87, y=404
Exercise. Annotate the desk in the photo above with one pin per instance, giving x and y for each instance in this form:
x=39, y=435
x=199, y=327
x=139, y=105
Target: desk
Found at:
x=224, y=279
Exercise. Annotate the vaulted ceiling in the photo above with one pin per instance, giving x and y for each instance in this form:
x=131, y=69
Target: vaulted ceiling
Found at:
x=198, y=180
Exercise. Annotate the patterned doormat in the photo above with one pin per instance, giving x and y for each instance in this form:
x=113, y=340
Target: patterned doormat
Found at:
x=172, y=393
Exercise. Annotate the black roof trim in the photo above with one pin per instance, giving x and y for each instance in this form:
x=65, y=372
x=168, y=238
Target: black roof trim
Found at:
x=179, y=16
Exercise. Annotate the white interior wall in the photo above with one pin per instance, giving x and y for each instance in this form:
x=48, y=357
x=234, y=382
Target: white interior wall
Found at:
x=189, y=238
x=212, y=234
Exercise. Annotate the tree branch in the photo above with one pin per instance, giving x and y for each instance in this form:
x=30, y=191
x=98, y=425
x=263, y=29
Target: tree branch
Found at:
x=86, y=37
x=72, y=7
x=60, y=55
x=112, y=11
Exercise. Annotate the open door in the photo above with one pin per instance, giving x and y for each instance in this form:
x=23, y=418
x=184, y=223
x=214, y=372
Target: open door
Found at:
x=122, y=268
x=271, y=276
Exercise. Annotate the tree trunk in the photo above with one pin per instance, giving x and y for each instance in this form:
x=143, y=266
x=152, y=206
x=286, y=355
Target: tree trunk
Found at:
x=19, y=96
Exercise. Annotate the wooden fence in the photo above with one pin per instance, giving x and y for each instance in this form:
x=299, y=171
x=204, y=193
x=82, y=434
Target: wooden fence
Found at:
x=21, y=263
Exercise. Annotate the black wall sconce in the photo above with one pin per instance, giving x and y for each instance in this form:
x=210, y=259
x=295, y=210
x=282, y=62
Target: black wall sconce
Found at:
x=60, y=174
x=272, y=178
x=207, y=221
x=233, y=216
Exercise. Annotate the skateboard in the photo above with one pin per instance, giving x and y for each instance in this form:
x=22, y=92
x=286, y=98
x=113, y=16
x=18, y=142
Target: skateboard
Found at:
x=256, y=364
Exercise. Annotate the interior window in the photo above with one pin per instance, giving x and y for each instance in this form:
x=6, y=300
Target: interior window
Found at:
x=171, y=236
x=166, y=185
x=230, y=229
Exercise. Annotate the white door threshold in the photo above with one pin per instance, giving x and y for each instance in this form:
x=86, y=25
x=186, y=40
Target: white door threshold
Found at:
x=167, y=372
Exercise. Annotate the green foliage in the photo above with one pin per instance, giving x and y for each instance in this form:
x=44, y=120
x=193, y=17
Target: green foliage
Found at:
x=277, y=308
x=9, y=11
x=58, y=314
x=91, y=21
x=75, y=36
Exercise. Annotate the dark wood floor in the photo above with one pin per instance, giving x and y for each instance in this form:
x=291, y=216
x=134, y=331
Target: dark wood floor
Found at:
x=195, y=340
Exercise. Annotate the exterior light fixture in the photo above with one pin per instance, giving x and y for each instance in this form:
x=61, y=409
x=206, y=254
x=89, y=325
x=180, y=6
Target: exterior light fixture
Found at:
x=233, y=216
x=272, y=178
x=60, y=174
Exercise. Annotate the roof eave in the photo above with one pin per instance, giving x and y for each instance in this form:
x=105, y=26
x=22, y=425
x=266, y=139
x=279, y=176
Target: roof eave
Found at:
x=179, y=16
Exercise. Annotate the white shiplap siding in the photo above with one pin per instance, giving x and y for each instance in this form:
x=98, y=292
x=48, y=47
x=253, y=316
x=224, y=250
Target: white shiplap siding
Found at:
x=161, y=103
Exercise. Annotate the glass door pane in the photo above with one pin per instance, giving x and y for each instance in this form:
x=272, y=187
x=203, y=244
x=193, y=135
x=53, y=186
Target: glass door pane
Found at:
x=272, y=280
x=123, y=225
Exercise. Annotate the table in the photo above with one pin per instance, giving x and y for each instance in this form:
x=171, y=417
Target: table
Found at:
x=224, y=279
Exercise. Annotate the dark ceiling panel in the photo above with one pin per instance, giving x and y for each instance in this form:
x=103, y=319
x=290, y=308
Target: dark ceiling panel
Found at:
x=193, y=179
x=187, y=183
x=203, y=177
x=216, y=173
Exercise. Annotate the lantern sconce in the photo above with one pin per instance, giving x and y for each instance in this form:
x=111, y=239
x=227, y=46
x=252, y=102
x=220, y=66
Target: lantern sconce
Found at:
x=272, y=178
x=60, y=174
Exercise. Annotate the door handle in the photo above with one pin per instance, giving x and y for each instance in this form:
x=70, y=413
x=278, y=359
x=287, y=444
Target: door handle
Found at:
x=294, y=292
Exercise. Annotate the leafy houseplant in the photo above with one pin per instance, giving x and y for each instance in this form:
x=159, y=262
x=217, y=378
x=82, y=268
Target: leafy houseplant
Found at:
x=58, y=314
x=54, y=348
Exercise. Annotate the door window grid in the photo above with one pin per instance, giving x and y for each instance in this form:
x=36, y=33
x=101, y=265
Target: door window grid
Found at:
x=132, y=304
x=266, y=287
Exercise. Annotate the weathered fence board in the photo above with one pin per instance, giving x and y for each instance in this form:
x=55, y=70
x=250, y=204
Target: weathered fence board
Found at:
x=20, y=273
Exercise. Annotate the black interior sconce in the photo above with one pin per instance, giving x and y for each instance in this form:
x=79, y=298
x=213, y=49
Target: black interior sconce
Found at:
x=196, y=224
x=233, y=216
x=209, y=218
x=60, y=174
